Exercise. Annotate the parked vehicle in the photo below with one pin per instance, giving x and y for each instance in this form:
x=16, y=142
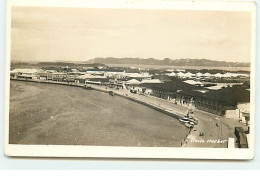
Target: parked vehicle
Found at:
x=193, y=121
x=111, y=93
x=188, y=119
x=189, y=125
x=133, y=91
x=88, y=87
x=183, y=120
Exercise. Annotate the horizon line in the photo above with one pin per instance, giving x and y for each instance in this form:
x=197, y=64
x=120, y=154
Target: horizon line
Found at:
x=37, y=61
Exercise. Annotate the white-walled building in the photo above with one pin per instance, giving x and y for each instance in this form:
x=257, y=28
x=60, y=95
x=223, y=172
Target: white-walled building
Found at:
x=147, y=81
x=27, y=73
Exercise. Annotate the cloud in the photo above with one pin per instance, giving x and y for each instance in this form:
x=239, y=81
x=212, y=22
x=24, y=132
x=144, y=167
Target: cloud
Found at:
x=76, y=33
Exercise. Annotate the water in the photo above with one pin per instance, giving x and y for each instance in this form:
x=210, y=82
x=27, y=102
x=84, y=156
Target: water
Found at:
x=55, y=114
x=181, y=67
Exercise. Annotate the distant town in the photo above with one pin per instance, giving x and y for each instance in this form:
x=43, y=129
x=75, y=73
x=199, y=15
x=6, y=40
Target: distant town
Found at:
x=220, y=92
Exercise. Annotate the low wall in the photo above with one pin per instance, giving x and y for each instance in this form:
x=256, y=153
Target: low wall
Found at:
x=48, y=82
x=156, y=107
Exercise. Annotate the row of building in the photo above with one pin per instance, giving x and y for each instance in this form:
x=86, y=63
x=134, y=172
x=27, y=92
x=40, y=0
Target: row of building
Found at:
x=76, y=75
x=187, y=93
x=231, y=102
x=207, y=75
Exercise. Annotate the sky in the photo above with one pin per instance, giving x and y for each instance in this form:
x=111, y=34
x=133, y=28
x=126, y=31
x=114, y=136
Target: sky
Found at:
x=80, y=34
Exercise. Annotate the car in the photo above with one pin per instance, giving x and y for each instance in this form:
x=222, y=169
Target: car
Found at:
x=133, y=91
x=183, y=120
x=111, y=93
x=201, y=134
x=191, y=123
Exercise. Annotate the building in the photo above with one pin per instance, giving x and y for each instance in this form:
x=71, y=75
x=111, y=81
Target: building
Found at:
x=150, y=81
x=58, y=76
x=169, y=89
x=217, y=101
x=25, y=73
x=137, y=76
x=241, y=137
x=242, y=112
x=192, y=82
x=91, y=79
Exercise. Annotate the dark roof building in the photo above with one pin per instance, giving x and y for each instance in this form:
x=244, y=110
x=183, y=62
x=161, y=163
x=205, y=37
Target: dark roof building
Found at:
x=213, y=101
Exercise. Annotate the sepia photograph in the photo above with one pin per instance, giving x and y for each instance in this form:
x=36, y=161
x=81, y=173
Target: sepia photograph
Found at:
x=137, y=78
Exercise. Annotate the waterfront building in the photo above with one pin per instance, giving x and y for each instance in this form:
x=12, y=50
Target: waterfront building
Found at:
x=199, y=74
x=215, y=87
x=149, y=81
x=180, y=75
x=110, y=72
x=170, y=70
x=131, y=84
x=208, y=75
x=168, y=89
x=115, y=83
x=172, y=74
x=58, y=76
x=217, y=75
x=192, y=82
x=137, y=76
x=89, y=78
x=42, y=76
x=242, y=113
x=74, y=70
x=13, y=74
x=241, y=137
x=119, y=74
x=181, y=70
x=217, y=102
x=95, y=72
x=189, y=75
x=71, y=76
x=188, y=93
x=26, y=73
x=138, y=89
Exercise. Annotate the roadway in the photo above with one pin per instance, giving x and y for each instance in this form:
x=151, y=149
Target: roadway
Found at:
x=216, y=129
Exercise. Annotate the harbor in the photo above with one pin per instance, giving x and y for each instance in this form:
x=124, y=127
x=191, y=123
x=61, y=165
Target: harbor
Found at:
x=69, y=115
x=205, y=122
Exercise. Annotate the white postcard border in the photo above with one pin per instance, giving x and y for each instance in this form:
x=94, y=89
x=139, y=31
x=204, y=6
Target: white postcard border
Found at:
x=132, y=152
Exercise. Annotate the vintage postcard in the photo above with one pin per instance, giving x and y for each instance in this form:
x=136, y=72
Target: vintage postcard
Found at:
x=130, y=79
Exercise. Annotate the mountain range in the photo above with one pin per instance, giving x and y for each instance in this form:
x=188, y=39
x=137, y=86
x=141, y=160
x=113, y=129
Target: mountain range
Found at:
x=167, y=61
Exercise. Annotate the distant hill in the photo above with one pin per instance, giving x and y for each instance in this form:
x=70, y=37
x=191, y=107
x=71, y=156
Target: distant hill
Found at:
x=167, y=61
